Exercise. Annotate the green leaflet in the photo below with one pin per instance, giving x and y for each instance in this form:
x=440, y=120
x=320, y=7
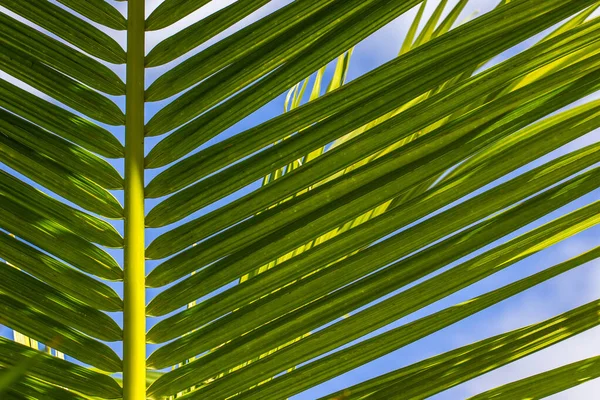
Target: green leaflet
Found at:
x=171, y=11
x=581, y=119
x=546, y=383
x=306, y=264
x=98, y=11
x=365, y=262
x=60, y=372
x=577, y=20
x=60, y=56
x=320, y=284
x=70, y=185
x=286, y=47
x=52, y=303
x=70, y=156
x=69, y=27
x=23, y=319
x=442, y=372
x=199, y=32
x=12, y=395
x=59, y=121
x=193, y=259
x=573, y=23
x=58, y=275
x=213, y=188
x=331, y=214
x=424, y=147
x=497, y=165
x=231, y=48
x=88, y=227
x=450, y=19
x=418, y=117
x=15, y=373
x=33, y=389
x=404, y=78
x=412, y=31
x=60, y=87
x=428, y=30
x=291, y=325
x=293, y=100
x=157, y=250
x=296, y=95
x=371, y=349
x=57, y=240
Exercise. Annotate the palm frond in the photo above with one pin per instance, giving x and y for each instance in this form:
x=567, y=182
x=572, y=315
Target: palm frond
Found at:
x=282, y=251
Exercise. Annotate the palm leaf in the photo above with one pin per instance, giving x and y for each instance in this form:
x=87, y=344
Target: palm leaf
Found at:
x=47, y=152
x=278, y=250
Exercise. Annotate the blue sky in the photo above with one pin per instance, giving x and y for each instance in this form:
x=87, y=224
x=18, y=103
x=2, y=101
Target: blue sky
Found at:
x=551, y=298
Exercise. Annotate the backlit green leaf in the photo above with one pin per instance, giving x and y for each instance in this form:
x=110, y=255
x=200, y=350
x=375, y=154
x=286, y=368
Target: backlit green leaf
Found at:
x=36, y=325
x=59, y=121
x=61, y=372
x=58, y=275
x=60, y=56
x=98, y=11
x=69, y=27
